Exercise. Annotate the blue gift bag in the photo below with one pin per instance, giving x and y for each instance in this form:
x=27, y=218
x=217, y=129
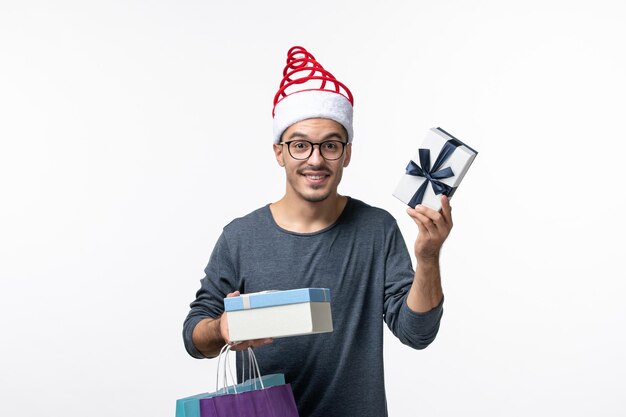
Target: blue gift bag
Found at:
x=190, y=406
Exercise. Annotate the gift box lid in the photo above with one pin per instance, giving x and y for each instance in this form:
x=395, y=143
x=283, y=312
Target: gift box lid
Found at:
x=276, y=298
x=448, y=136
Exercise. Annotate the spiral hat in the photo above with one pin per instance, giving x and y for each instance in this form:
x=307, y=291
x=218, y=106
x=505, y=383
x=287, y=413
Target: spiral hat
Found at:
x=309, y=91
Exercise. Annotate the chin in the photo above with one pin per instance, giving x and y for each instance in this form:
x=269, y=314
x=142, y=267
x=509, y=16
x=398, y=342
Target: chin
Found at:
x=315, y=197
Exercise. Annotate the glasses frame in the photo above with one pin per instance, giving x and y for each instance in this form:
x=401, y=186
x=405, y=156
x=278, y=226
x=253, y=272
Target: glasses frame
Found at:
x=319, y=145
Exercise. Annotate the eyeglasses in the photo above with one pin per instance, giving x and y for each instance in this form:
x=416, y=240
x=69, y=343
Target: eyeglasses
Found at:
x=330, y=150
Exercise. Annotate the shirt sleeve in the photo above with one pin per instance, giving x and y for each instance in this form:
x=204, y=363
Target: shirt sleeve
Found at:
x=218, y=281
x=413, y=329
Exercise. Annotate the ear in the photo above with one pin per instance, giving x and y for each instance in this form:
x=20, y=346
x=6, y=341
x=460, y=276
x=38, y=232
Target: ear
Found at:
x=348, y=155
x=278, y=152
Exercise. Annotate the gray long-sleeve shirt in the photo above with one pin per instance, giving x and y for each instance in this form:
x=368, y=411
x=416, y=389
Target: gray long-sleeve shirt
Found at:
x=363, y=259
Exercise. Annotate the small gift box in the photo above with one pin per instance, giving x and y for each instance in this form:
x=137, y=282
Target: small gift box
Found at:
x=437, y=168
x=278, y=314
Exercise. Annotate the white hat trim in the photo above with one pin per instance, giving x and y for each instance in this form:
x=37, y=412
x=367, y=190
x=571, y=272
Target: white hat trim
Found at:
x=312, y=104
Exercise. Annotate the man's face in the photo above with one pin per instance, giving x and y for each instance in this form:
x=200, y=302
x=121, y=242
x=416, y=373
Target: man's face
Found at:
x=313, y=179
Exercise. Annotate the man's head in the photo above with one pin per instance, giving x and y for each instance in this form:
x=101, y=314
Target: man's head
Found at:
x=312, y=127
x=314, y=153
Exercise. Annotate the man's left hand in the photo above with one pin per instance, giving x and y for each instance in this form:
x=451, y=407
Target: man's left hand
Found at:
x=434, y=227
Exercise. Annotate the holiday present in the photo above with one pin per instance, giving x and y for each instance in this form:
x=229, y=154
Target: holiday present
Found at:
x=272, y=314
x=437, y=169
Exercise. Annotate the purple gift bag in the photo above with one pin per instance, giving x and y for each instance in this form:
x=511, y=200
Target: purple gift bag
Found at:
x=275, y=401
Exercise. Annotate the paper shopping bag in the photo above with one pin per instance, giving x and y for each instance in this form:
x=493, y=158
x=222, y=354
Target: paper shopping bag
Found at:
x=275, y=401
x=190, y=406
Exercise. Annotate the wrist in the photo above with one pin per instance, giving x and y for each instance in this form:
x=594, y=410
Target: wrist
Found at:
x=216, y=329
x=430, y=260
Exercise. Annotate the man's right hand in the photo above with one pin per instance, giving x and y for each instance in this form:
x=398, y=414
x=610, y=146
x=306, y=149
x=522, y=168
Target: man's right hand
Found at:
x=210, y=335
x=238, y=345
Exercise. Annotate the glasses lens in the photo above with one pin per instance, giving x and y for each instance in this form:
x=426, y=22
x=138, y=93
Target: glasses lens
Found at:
x=300, y=149
x=331, y=149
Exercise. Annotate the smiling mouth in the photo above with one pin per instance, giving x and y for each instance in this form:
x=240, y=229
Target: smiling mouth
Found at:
x=315, y=177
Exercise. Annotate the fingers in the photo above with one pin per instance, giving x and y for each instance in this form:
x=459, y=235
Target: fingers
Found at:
x=446, y=210
x=418, y=219
x=224, y=320
x=428, y=217
x=424, y=223
x=434, y=227
x=237, y=346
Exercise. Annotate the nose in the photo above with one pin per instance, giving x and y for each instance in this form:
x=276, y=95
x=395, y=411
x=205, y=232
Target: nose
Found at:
x=316, y=156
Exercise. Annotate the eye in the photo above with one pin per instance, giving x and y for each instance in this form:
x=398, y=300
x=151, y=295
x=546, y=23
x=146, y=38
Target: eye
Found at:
x=331, y=146
x=300, y=145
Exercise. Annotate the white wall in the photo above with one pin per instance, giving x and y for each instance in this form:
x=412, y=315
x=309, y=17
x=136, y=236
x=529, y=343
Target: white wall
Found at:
x=132, y=131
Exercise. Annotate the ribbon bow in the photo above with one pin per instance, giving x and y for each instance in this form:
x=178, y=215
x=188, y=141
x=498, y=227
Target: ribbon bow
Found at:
x=432, y=175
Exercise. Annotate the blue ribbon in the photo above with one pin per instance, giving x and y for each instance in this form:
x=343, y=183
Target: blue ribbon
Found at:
x=434, y=174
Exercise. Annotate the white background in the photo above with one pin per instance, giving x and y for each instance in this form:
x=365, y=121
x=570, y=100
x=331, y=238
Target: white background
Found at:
x=133, y=131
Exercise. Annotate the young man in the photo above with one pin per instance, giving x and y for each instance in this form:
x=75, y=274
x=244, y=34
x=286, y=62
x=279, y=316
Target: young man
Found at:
x=314, y=237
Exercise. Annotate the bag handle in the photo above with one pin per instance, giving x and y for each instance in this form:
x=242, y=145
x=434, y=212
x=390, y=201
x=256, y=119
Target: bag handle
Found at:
x=227, y=369
x=254, y=372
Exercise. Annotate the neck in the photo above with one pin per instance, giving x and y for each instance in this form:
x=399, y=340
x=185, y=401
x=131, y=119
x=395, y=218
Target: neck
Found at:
x=298, y=215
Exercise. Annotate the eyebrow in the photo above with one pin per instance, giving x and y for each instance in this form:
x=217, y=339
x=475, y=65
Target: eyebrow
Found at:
x=300, y=135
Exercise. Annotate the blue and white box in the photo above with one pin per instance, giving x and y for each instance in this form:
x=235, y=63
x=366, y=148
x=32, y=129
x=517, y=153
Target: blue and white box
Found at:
x=278, y=314
x=437, y=168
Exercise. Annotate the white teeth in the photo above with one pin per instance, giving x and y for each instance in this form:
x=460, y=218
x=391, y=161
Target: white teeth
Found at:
x=315, y=177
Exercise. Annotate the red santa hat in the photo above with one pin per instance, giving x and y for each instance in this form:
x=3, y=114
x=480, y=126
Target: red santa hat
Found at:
x=309, y=91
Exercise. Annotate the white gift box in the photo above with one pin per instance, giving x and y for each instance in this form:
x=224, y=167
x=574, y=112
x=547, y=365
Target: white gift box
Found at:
x=278, y=314
x=458, y=160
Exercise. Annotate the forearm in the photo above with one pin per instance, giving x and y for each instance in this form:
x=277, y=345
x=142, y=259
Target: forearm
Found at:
x=207, y=337
x=426, y=292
